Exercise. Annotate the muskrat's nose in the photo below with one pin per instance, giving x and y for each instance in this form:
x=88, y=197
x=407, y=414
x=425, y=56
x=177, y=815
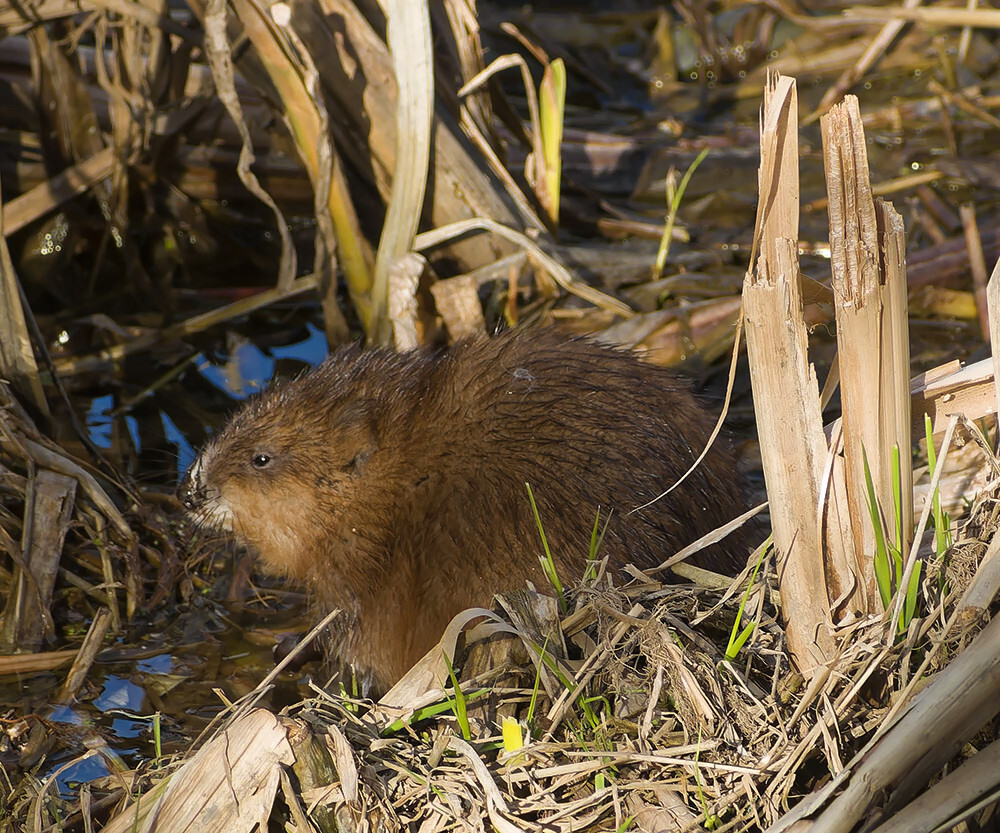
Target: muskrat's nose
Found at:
x=188, y=492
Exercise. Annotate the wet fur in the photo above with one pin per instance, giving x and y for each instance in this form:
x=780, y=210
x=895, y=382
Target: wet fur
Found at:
x=395, y=487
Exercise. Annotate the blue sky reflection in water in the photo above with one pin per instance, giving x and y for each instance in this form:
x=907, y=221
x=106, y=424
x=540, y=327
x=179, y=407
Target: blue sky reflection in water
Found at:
x=82, y=772
x=98, y=420
x=99, y=423
x=246, y=370
x=119, y=693
x=185, y=451
x=311, y=350
x=160, y=664
x=249, y=369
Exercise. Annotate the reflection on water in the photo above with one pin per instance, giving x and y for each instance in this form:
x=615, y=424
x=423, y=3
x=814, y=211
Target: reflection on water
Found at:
x=246, y=370
x=185, y=451
x=82, y=772
x=119, y=693
x=241, y=371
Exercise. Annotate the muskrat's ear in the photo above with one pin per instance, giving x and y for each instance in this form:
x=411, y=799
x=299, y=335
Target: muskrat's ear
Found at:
x=358, y=434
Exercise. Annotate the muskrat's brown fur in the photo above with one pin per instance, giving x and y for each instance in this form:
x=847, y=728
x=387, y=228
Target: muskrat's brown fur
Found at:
x=393, y=484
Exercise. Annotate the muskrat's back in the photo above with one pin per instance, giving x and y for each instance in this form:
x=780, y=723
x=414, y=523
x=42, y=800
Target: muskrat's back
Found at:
x=393, y=485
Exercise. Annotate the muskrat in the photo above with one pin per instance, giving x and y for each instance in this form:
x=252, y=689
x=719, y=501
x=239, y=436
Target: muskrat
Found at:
x=393, y=484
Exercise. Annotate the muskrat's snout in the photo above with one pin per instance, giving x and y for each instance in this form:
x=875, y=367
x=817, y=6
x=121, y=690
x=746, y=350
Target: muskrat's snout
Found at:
x=200, y=495
x=190, y=491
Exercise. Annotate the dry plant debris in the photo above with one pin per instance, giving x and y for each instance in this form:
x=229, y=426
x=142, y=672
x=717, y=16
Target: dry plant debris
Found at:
x=659, y=719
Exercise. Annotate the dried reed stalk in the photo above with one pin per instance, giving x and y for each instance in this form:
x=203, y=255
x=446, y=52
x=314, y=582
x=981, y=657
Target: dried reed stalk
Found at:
x=409, y=40
x=84, y=659
x=993, y=313
x=929, y=732
x=952, y=389
x=356, y=69
x=27, y=620
x=53, y=192
x=230, y=784
x=977, y=263
x=17, y=359
x=457, y=302
x=786, y=393
x=869, y=283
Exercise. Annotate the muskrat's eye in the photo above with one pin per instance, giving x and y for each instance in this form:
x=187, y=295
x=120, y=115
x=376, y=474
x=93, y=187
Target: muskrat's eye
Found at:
x=261, y=461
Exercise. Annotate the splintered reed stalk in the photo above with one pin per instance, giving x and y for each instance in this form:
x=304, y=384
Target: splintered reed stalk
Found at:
x=824, y=505
x=789, y=422
x=869, y=284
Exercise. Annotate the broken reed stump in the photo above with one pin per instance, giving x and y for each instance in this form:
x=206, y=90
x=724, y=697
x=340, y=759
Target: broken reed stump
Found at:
x=823, y=531
x=869, y=283
x=786, y=402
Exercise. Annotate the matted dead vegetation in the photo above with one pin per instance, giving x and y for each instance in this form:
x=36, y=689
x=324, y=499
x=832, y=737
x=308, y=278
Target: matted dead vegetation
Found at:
x=653, y=726
x=424, y=207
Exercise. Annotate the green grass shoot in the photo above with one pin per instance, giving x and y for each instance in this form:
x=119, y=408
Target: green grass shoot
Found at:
x=888, y=562
x=711, y=821
x=674, y=196
x=883, y=571
x=348, y=696
x=458, y=702
x=433, y=710
x=738, y=638
x=942, y=523
x=548, y=564
x=897, y=503
x=533, y=702
x=596, y=539
x=157, y=736
x=584, y=703
x=913, y=588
